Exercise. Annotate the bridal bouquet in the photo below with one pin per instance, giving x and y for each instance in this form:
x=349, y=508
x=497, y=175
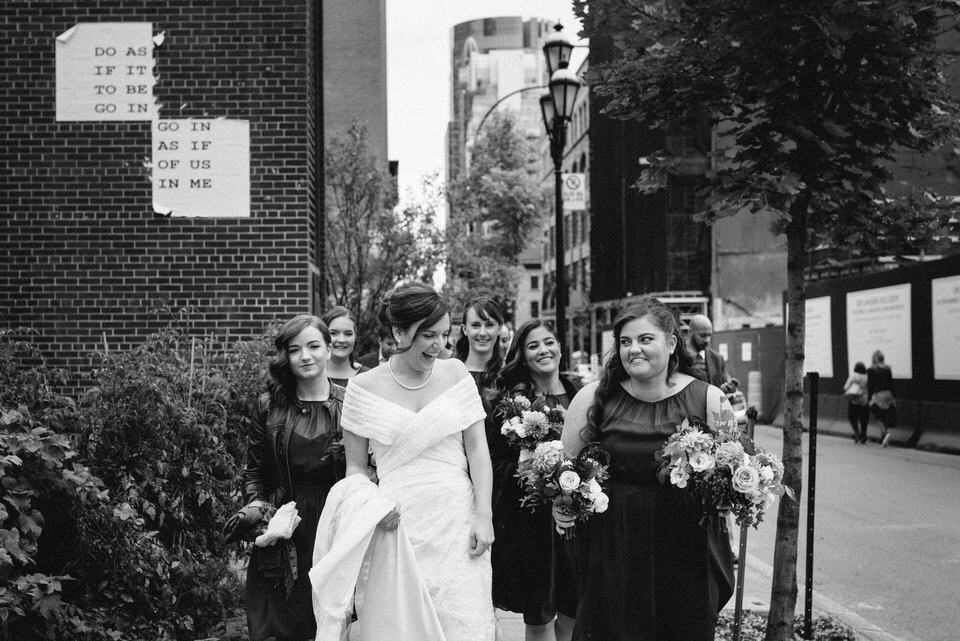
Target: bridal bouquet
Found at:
x=725, y=470
x=574, y=486
x=527, y=423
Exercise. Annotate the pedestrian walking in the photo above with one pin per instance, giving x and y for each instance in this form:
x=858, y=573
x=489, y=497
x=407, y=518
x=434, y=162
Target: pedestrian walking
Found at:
x=858, y=402
x=880, y=390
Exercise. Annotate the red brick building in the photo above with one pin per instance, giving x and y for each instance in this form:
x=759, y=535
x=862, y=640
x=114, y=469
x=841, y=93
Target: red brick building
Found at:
x=84, y=259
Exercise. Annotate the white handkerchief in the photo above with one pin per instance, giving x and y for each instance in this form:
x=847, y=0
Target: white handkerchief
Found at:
x=281, y=525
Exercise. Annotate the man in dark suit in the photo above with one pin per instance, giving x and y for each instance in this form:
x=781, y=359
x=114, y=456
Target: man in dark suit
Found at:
x=388, y=345
x=708, y=364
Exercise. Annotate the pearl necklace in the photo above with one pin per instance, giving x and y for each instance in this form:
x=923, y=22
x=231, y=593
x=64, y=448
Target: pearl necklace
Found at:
x=412, y=388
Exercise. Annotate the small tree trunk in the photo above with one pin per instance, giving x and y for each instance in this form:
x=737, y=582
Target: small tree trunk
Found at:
x=783, y=596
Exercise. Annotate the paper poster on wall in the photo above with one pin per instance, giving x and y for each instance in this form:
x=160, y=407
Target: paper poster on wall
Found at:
x=880, y=319
x=104, y=71
x=724, y=350
x=818, y=339
x=201, y=168
x=945, y=304
x=746, y=352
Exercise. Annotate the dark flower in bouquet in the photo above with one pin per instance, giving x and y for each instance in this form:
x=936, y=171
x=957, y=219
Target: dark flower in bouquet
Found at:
x=571, y=486
x=724, y=469
x=526, y=422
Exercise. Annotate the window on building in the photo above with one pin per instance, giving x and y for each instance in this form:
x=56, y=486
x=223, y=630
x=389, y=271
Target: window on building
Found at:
x=534, y=309
x=534, y=282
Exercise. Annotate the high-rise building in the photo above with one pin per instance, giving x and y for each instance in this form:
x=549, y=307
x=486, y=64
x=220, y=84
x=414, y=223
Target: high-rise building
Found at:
x=492, y=59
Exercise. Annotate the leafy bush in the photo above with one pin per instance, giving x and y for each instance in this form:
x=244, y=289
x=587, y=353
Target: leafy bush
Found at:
x=753, y=627
x=111, y=508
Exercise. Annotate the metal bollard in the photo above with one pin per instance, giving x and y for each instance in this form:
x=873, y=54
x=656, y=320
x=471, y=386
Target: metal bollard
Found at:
x=742, y=548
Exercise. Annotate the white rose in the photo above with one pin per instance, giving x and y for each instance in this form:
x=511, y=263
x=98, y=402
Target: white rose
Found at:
x=569, y=481
x=679, y=476
x=593, y=490
x=745, y=479
x=701, y=461
x=766, y=473
x=506, y=428
x=600, y=503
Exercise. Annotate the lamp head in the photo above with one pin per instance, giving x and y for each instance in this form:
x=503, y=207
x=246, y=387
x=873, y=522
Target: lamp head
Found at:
x=557, y=49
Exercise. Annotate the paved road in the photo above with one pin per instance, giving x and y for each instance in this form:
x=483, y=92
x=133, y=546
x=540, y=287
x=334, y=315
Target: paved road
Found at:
x=887, y=546
x=887, y=536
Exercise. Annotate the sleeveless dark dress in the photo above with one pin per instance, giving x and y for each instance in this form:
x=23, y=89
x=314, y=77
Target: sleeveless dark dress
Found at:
x=268, y=612
x=648, y=571
x=342, y=382
x=532, y=573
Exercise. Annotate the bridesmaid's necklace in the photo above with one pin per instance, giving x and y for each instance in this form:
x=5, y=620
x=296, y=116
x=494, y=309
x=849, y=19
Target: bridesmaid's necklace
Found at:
x=412, y=388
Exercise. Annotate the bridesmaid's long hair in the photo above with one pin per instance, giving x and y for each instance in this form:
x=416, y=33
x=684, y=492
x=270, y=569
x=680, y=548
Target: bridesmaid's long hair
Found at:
x=486, y=310
x=283, y=387
x=613, y=372
x=515, y=375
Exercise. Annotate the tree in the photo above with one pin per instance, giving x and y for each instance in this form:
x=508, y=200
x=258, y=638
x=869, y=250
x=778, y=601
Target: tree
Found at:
x=494, y=213
x=371, y=246
x=810, y=102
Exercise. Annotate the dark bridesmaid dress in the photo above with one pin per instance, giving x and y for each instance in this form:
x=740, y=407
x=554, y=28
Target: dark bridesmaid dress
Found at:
x=647, y=570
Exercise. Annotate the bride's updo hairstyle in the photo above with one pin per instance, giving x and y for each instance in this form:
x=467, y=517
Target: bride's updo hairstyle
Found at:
x=613, y=372
x=411, y=303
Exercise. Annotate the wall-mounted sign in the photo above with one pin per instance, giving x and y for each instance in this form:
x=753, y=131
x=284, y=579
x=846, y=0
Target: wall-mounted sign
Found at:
x=880, y=319
x=818, y=337
x=574, y=192
x=201, y=167
x=105, y=72
x=945, y=305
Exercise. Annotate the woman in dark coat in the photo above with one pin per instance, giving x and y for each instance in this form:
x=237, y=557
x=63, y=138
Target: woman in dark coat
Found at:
x=294, y=453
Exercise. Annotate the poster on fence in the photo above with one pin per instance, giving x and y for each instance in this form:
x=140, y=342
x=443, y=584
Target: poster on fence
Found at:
x=880, y=319
x=945, y=304
x=201, y=167
x=818, y=338
x=104, y=71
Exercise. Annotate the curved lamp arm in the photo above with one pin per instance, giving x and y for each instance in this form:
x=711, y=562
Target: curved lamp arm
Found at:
x=494, y=106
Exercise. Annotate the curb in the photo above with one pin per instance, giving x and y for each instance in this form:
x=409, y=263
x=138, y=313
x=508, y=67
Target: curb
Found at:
x=863, y=628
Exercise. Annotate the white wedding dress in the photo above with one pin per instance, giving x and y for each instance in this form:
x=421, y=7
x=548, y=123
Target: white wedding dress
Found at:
x=423, y=467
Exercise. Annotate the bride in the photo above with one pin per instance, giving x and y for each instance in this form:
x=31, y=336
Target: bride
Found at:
x=423, y=419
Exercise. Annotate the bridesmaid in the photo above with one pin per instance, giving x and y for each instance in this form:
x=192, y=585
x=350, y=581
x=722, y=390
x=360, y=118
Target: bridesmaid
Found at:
x=479, y=343
x=294, y=453
x=343, y=334
x=532, y=568
x=647, y=570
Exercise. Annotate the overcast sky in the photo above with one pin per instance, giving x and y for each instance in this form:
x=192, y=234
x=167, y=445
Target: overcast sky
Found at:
x=418, y=71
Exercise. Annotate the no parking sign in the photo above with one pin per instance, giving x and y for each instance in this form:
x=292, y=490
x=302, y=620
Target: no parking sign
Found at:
x=574, y=192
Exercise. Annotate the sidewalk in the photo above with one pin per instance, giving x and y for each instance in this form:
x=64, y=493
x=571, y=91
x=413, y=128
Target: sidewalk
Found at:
x=757, y=579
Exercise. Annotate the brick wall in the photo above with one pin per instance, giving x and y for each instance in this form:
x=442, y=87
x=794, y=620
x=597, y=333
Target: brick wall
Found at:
x=83, y=258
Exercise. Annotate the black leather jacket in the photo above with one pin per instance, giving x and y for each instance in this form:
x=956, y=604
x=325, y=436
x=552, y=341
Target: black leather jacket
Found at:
x=267, y=473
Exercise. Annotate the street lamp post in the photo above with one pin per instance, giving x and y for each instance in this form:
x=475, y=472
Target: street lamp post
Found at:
x=556, y=108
